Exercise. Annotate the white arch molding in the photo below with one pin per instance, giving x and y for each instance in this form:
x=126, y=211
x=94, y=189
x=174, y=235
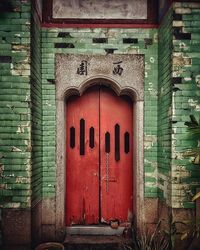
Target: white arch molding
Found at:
x=67, y=86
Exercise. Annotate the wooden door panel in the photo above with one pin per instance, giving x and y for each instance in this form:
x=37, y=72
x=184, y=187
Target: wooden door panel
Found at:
x=116, y=113
x=82, y=165
x=99, y=185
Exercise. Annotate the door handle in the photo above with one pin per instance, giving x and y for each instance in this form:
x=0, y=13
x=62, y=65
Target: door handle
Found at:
x=111, y=179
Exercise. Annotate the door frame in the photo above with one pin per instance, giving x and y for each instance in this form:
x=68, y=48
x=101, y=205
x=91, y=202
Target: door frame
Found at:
x=138, y=155
x=74, y=74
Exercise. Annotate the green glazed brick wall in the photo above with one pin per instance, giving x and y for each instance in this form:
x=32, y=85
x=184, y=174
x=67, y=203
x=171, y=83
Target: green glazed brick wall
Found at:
x=80, y=41
x=179, y=97
x=15, y=114
x=185, y=100
x=171, y=95
x=165, y=106
x=36, y=108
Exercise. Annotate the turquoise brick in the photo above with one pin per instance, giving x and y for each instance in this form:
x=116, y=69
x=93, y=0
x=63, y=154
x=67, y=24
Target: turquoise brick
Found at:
x=191, y=17
x=190, y=205
x=151, y=190
x=151, y=195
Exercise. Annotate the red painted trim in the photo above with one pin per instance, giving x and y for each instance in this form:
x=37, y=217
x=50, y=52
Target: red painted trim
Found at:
x=108, y=25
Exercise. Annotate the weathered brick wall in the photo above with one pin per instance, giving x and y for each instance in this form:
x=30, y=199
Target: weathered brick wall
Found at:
x=15, y=124
x=15, y=121
x=165, y=106
x=27, y=98
x=88, y=41
x=36, y=107
x=179, y=67
x=185, y=100
x=36, y=123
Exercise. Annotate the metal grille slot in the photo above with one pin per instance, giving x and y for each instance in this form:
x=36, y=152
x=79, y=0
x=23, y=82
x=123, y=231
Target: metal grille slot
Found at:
x=72, y=137
x=91, y=137
x=82, y=137
x=126, y=142
x=117, y=142
x=107, y=142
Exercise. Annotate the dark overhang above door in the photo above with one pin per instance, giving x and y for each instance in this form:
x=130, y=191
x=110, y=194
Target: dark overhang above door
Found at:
x=100, y=12
x=55, y=13
x=95, y=9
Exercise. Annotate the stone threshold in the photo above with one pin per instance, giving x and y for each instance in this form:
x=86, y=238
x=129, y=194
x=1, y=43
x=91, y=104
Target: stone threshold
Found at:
x=95, y=242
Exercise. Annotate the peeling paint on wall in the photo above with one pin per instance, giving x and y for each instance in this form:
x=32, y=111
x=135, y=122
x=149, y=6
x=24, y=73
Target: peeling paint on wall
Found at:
x=15, y=149
x=149, y=141
x=21, y=179
x=15, y=120
x=152, y=90
x=194, y=103
x=197, y=79
x=1, y=170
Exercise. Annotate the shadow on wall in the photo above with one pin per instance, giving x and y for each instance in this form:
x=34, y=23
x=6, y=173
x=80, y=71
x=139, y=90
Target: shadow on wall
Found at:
x=5, y=6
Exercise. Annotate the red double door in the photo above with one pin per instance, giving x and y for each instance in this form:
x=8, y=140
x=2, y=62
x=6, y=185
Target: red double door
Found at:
x=99, y=164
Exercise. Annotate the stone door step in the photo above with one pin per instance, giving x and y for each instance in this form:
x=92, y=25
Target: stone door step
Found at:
x=95, y=242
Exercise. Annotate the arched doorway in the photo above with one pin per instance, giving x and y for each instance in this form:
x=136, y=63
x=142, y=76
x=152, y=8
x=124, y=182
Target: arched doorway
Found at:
x=99, y=158
x=69, y=83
